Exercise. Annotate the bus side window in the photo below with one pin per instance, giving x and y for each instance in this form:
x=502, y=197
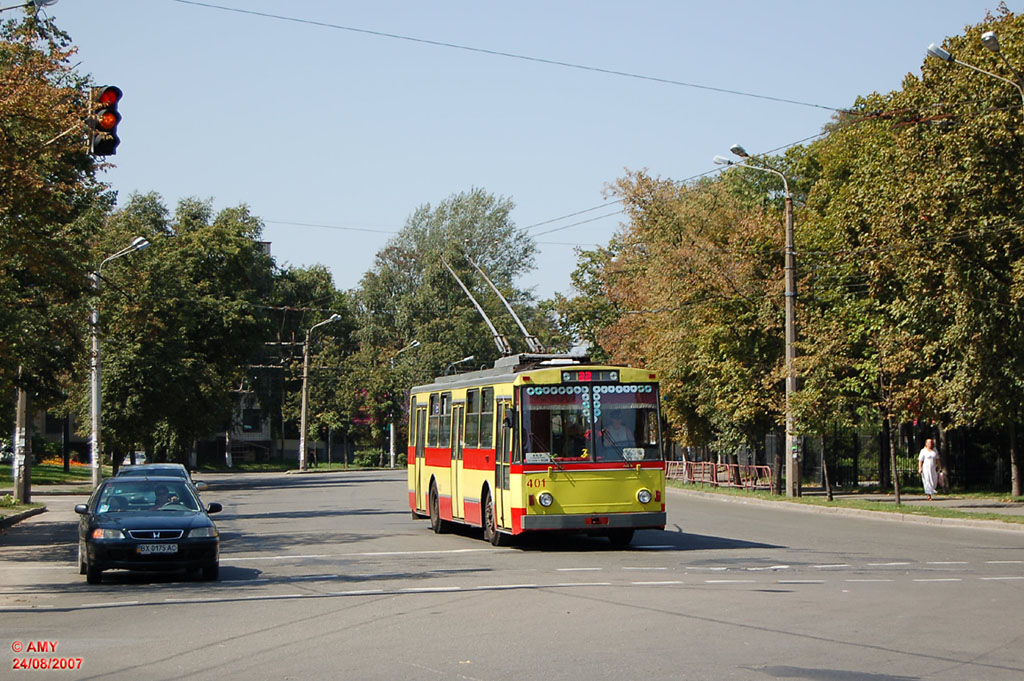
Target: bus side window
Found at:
x=487, y=418
x=472, y=418
x=412, y=421
x=433, y=420
x=445, y=438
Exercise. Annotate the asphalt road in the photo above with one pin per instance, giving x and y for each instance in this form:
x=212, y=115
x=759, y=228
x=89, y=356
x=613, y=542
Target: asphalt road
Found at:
x=327, y=576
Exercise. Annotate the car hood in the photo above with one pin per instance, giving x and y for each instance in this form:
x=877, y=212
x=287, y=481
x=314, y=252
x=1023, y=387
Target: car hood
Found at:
x=184, y=520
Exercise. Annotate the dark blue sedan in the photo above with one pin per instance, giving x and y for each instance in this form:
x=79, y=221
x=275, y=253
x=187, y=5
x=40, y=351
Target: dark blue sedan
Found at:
x=147, y=523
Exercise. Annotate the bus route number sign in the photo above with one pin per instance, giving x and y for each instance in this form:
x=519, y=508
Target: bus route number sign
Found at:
x=589, y=376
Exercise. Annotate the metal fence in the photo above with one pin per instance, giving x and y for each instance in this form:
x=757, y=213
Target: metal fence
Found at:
x=742, y=476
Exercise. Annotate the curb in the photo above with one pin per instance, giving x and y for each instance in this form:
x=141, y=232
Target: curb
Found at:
x=859, y=513
x=18, y=517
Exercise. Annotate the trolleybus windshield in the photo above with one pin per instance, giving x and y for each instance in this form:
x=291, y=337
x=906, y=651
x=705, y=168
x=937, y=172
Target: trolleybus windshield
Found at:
x=590, y=423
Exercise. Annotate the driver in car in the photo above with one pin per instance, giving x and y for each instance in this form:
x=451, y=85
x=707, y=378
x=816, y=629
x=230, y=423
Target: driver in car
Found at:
x=164, y=497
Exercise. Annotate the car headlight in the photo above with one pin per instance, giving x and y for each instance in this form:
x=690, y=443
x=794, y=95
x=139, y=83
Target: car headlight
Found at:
x=203, y=532
x=644, y=496
x=100, y=533
x=545, y=499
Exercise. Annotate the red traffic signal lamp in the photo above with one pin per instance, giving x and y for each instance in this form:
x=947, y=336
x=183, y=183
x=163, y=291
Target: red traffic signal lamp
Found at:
x=103, y=139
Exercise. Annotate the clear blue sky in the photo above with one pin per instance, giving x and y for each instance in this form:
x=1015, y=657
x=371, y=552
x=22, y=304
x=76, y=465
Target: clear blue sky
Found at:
x=315, y=125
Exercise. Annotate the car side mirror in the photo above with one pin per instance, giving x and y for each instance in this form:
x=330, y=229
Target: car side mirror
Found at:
x=201, y=486
x=214, y=507
x=82, y=509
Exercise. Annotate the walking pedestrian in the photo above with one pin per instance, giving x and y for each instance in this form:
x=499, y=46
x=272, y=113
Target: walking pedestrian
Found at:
x=928, y=464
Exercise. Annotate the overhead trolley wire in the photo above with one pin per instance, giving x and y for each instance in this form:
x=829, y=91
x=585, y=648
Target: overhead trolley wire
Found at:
x=509, y=55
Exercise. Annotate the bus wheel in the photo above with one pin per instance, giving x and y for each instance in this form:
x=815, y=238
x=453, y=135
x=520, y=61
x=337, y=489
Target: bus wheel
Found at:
x=620, y=537
x=436, y=524
x=491, y=533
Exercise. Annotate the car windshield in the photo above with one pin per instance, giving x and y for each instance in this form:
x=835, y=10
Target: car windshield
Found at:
x=152, y=470
x=146, y=496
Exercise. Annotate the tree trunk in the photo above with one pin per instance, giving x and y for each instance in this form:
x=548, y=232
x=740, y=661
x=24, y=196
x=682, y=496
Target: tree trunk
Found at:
x=883, y=456
x=1015, y=481
x=824, y=470
x=23, y=447
x=777, y=465
x=893, y=444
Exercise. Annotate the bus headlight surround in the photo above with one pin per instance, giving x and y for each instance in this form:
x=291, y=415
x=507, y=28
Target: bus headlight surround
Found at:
x=644, y=496
x=545, y=499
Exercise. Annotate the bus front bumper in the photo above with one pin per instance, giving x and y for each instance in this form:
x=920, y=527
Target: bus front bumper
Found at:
x=594, y=521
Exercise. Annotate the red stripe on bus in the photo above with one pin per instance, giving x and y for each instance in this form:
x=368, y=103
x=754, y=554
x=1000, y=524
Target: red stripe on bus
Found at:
x=592, y=466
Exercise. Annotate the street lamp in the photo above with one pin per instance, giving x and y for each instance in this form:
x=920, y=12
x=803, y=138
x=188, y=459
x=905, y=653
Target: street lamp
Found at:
x=990, y=41
x=305, y=389
x=391, y=426
x=448, y=369
x=138, y=244
x=792, y=450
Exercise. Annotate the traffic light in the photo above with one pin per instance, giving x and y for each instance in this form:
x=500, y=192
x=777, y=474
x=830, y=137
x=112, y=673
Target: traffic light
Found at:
x=103, y=121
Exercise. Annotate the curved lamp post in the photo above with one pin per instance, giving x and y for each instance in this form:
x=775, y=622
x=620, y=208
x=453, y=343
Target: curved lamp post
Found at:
x=391, y=426
x=305, y=388
x=451, y=367
x=989, y=40
x=138, y=244
x=792, y=449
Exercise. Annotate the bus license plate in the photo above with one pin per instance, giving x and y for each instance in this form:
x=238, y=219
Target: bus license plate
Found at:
x=145, y=549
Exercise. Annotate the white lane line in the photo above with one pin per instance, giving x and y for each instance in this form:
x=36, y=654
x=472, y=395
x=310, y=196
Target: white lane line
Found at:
x=579, y=569
x=429, y=589
x=944, y=579
x=700, y=567
x=356, y=592
x=108, y=605
x=832, y=565
x=947, y=562
x=499, y=587
x=663, y=583
x=582, y=584
x=233, y=559
x=1004, y=562
x=886, y=564
x=869, y=580
x=645, y=568
x=728, y=581
x=185, y=600
x=769, y=567
x=999, y=579
x=271, y=597
x=800, y=581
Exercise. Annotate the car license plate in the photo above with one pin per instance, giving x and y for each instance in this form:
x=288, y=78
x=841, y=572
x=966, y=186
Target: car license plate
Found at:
x=145, y=549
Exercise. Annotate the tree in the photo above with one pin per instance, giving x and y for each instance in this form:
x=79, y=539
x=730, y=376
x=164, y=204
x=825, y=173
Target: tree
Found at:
x=180, y=322
x=47, y=180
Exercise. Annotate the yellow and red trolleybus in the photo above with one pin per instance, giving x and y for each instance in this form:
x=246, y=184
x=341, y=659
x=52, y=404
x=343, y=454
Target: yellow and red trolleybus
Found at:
x=539, y=442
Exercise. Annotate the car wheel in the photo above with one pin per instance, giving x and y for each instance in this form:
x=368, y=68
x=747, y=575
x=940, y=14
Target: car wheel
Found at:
x=93, y=575
x=211, y=572
x=438, y=525
x=491, y=532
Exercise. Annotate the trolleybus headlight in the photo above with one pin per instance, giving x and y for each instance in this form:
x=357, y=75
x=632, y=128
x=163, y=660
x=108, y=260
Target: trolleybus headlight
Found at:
x=545, y=499
x=644, y=496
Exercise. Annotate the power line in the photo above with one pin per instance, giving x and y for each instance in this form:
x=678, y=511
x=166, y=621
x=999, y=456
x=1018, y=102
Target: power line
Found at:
x=509, y=55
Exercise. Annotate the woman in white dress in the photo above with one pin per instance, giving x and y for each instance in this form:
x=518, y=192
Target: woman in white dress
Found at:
x=928, y=467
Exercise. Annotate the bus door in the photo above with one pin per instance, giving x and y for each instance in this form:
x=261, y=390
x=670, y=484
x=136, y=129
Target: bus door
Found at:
x=502, y=459
x=421, y=441
x=458, y=435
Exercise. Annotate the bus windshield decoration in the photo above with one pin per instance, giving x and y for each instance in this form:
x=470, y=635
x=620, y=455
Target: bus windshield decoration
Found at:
x=589, y=376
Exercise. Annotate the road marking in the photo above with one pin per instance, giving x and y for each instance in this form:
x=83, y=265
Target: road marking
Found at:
x=869, y=580
x=800, y=581
x=998, y=579
x=665, y=583
x=1004, y=562
x=833, y=565
x=582, y=584
x=579, y=569
x=108, y=605
x=356, y=592
x=728, y=581
x=644, y=568
x=310, y=577
x=699, y=567
x=947, y=562
x=770, y=567
x=429, y=589
x=943, y=579
x=498, y=587
x=885, y=564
